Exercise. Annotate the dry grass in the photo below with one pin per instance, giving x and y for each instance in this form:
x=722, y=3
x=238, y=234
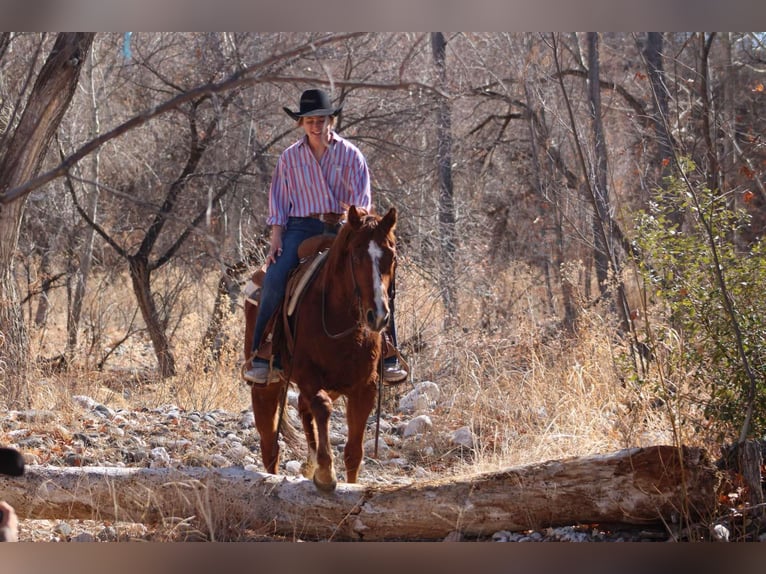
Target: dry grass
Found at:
x=528, y=392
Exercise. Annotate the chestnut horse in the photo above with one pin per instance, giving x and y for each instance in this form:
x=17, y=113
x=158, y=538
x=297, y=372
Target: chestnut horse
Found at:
x=336, y=347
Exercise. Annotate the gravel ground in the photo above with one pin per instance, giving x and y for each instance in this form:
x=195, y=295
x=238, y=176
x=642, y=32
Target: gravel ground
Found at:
x=168, y=436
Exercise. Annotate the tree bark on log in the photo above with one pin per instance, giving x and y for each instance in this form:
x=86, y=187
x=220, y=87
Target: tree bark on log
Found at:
x=634, y=486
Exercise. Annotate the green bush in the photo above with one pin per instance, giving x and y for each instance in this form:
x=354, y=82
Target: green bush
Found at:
x=719, y=316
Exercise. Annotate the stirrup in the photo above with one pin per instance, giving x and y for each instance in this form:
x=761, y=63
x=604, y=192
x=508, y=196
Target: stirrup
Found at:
x=404, y=367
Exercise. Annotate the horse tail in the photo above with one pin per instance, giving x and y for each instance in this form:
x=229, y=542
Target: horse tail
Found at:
x=290, y=434
x=287, y=429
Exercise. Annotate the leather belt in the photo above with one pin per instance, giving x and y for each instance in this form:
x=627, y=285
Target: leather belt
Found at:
x=328, y=218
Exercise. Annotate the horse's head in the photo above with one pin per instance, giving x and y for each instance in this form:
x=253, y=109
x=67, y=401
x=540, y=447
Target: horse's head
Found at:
x=372, y=251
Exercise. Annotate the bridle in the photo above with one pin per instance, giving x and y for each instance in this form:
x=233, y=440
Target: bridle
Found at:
x=358, y=294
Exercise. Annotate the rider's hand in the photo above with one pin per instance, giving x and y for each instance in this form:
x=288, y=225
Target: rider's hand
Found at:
x=275, y=245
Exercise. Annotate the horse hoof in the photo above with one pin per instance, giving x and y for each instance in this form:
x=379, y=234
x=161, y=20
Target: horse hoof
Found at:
x=327, y=485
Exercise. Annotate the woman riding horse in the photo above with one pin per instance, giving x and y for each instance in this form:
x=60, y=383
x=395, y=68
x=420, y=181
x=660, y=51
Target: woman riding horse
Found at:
x=314, y=179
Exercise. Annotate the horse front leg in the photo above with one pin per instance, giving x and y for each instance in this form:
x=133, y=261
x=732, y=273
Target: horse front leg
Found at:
x=265, y=407
x=358, y=409
x=324, y=475
x=309, y=430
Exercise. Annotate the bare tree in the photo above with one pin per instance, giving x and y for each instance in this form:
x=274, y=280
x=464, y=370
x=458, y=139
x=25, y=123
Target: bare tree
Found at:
x=602, y=233
x=44, y=109
x=447, y=235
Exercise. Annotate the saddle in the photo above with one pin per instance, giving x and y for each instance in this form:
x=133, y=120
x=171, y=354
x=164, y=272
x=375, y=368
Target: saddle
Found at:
x=311, y=253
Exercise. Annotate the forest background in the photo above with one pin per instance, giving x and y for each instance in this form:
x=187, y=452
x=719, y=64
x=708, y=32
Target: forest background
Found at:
x=580, y=255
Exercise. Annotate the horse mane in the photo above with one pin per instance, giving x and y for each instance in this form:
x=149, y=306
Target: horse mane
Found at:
x=343, y=239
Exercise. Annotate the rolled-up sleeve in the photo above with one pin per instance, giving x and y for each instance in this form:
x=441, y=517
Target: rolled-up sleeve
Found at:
x=362, y=196
x=278, y=196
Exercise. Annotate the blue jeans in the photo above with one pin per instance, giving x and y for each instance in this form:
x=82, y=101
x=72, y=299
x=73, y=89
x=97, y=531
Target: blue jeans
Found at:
x=277, y=274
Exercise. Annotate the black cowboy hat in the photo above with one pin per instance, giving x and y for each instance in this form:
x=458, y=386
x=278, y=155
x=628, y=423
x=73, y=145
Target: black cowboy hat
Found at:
x=314, y=103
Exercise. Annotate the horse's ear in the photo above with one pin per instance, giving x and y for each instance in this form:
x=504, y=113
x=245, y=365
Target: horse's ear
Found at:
x=388, y=223
x=354, y=217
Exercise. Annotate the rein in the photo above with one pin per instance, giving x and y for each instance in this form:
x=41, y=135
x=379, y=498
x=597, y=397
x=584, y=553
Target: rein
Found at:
x=353, y=327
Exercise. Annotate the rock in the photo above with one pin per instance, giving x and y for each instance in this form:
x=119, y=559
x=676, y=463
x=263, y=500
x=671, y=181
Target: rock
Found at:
x=419, y=425
x=63, y=529
x=85, y=402
x=293, y=467
x=422, y=398
x=103, y=411
x=84, y=537
x=720, y=533
x=160, y=457
x=108, y=534
x=247, y=421
x=463, y=437
x=369, y=447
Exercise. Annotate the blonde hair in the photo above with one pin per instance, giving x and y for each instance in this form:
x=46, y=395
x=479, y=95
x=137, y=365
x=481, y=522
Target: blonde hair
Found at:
x=331, y=120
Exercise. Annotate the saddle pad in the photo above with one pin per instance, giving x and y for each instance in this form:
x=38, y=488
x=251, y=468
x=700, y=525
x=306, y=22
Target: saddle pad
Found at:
x=306, y=274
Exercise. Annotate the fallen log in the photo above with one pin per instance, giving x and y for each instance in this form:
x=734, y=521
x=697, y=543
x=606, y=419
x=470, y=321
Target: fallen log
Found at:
x=637, y=486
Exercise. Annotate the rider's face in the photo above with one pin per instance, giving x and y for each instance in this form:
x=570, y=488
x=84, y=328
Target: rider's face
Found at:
x=317, y=128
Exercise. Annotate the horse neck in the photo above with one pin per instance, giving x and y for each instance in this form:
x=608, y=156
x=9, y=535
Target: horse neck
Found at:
x=336, y=279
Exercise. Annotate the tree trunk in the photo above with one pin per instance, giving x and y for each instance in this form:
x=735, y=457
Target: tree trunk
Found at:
x=709, y=113
x=635, y=486
x=548, y=191
x=140, y=278
x=227, y=301
x=44, y=273
x=603, y=223
x=601, y=236
x=82, y=273
x=446, y=192
x=49, y=99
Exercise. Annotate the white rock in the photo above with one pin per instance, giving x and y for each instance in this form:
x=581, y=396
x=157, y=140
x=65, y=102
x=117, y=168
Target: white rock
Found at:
x=247, y=421
x=85, y=401
x=293, y=467
x=237, y=452
x=721, y=533
x=369, y=447
x=423, y=397
x=160, y=457
x=418, y=425
x=420, y=472
x=218, y=460
x=463, y=437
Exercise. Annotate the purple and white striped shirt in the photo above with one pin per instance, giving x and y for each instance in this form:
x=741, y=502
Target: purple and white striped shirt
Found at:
x=301, y=186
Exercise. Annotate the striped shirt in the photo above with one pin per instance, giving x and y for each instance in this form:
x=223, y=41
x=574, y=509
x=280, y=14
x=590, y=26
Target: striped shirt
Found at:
x=301, y=186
